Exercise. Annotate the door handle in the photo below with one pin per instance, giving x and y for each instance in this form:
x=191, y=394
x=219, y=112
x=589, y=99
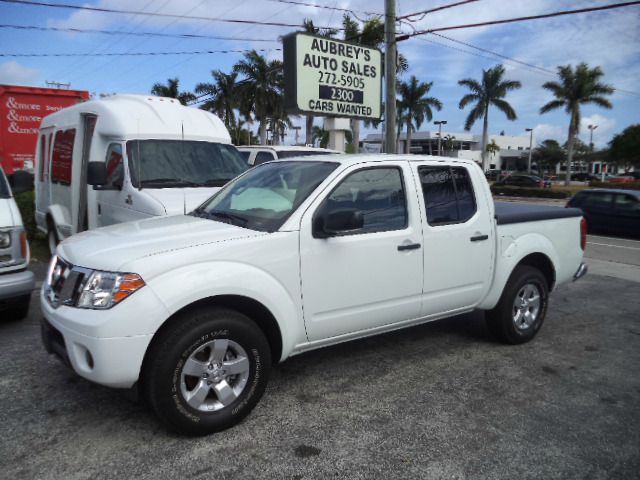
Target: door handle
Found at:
x=479, y=238
x=128, y=200
x=410, y=246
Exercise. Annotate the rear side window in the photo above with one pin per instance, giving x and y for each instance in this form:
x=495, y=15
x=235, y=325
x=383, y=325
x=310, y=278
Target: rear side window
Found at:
x=627, y=204
x=43, y=156
x=598, y=200
x=245, y=155
x=262, y=157
x=448, y=194
x=62, y=155
x=378, y=193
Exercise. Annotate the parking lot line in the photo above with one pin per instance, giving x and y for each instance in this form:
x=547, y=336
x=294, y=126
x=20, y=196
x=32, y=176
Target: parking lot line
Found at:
x=614, y=246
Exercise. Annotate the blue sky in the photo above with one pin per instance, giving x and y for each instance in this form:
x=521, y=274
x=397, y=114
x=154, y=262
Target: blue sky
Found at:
x=609, y=39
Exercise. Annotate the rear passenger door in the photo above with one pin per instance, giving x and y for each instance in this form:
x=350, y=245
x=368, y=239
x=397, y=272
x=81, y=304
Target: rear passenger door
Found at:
x=458, y=237
x=627, y=213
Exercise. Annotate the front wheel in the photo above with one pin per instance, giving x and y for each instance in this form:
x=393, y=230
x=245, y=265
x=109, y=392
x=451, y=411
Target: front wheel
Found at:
x=519, y=314
x=207, y=371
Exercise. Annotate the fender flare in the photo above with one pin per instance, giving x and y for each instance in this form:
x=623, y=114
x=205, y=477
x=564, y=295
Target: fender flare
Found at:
x=510, y=255
x=206, y=281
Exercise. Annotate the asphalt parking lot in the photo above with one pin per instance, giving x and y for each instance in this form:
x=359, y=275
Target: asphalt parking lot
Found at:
x=442, y=400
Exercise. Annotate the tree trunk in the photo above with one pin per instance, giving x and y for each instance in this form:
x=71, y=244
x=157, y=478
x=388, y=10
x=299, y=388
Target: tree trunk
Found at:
x=407, y=147
x=263, y=132
x=355, y=131
x=485, y=140
x=308, y=138
x=570, y=141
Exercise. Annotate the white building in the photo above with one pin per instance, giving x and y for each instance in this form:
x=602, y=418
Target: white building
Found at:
x=513, y=155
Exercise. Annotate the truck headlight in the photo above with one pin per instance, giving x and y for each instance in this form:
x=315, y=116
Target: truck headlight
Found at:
x=103, y=290
x=5, y=239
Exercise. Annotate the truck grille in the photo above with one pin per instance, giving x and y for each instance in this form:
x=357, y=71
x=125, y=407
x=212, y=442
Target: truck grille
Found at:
x=64, y=283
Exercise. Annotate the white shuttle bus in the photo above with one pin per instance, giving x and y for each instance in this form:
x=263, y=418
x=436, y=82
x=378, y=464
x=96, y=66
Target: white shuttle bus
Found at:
x=127, y=157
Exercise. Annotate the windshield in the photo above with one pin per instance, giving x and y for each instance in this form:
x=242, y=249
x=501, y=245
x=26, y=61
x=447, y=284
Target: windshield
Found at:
x=266, y=196
x=178, y=163
x=4, y=186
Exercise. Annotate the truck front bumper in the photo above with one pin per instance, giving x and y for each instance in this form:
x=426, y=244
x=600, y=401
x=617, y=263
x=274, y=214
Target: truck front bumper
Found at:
x=16, y=284
x=581, y=272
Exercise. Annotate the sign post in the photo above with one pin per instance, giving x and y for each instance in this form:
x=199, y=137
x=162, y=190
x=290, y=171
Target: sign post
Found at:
x=331, y=78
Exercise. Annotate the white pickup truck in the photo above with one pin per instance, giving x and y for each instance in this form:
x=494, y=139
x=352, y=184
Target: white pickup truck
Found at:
x=291, y=256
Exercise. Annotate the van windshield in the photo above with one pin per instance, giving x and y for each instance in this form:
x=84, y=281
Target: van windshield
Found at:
x=263, y=198
x=4, y=186
x=178, y=163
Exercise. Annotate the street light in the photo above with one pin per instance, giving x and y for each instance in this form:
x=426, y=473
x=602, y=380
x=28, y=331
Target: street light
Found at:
x=591, y=129
x=440, y=123
x=530, y=130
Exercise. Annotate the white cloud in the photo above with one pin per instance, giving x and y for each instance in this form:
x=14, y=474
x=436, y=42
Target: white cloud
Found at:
x=16, y=74
x=546, y=131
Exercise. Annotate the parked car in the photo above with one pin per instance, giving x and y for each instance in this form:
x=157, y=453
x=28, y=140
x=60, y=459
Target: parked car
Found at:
x=518, y=180
x=609, y=210
x=584, y=177
x=16, y=282
x=292, y=256
x=493, y=175
x=622, y=179
x=144, y=156
x=257, y=154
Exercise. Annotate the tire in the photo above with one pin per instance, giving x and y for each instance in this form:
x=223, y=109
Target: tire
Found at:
x=184, y=378
x=52, y=237
x=20, y=309
x=522, y=307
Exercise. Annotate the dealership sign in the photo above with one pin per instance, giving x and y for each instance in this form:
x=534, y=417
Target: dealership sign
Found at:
x=329, y=77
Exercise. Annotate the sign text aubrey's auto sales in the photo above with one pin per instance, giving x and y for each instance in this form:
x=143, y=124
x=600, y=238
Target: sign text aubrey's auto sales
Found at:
x=332, y=78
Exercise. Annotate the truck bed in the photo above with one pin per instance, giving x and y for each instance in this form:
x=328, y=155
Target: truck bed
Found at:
x=507, y=213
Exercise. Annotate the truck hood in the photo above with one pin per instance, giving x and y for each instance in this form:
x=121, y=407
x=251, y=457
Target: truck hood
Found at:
x=178, y=201
x=109, y=248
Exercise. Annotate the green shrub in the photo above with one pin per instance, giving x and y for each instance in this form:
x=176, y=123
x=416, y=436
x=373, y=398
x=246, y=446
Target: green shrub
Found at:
x=628, y=186
x=26, y=205
x=529, y=192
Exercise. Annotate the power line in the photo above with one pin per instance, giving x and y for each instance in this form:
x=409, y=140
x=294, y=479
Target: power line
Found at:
x=138, y=34
x=326, y=7
x=512, y=20
x=134, y=54
x=432, y=10
x=155, y=14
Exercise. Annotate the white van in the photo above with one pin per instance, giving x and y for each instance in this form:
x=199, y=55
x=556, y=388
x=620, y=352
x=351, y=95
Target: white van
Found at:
x=145, y=156
x=257, y=154
x=16, y=282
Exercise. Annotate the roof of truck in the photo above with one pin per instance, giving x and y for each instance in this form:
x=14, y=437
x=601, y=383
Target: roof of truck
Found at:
x=143, y=116
x=286, y=148
x=369, y=157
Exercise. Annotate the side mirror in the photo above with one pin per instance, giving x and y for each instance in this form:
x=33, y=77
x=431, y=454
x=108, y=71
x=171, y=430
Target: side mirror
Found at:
x=337, y=223
x=97, y=174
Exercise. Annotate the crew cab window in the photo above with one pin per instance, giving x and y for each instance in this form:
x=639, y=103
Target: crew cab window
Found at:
x=448, y=194
x=62, y=155
x=262, y=157
x=378, y=193
x=115, y=167
x=598, y=200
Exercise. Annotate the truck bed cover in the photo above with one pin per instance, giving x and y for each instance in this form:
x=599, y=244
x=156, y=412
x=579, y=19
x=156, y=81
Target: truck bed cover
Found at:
x=507, y=213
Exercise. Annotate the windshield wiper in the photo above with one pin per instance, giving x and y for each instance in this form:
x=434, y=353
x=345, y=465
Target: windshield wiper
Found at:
x=228, y=216
x=177, y=182
x=215, y=182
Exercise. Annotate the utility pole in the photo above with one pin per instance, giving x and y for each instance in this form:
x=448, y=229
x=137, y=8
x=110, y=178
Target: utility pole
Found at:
x=530, y=130
x=390, y=145
x=440, y=123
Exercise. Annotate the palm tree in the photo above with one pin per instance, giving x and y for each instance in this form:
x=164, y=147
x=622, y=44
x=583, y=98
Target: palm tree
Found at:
x=576, y=88
x=171, y=90
x=415, y=106
x=223, y=95
x=309, y=27
x=260, y=89
x=490, y=91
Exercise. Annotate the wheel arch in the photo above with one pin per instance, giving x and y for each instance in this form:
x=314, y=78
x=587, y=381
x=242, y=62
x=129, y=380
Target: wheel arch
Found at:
x=543, y=263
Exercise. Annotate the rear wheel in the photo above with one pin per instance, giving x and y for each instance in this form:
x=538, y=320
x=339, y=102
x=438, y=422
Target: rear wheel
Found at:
x=207, y=372
x=519, y=314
